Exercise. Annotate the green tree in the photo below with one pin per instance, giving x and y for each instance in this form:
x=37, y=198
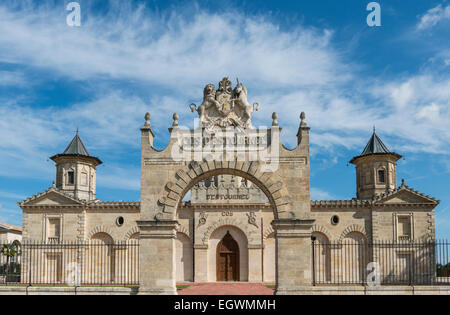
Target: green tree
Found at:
x=9, y=251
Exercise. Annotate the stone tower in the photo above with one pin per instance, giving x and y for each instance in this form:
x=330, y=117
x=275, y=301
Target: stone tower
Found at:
x=375, y=169
x=76, y=170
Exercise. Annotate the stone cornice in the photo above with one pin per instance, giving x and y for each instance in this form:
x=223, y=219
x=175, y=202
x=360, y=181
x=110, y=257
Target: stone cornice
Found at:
x=293, y=228
x=405, y=206
x=46, y=207
x=115, y=204
x=157, y=229
x=354, y=203
x=379, y=201
x=52, y=189
x=430, y=200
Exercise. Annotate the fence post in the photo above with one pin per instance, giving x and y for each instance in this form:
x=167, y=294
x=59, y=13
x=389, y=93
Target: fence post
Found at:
x=313, y=239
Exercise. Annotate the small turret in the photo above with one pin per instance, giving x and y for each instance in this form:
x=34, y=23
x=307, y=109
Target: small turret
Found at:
x=76, y=170
x=376, y=169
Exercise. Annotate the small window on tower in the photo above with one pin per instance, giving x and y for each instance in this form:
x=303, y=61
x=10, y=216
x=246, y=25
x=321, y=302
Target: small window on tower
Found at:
x=381, y=176
x=70, y=178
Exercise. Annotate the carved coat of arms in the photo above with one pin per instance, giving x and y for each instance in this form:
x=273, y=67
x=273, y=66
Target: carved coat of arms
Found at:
x=225, y=107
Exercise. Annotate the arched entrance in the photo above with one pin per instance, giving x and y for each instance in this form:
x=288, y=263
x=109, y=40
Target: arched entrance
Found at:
x=168, y=175
x=219, y=241
x=227, y=259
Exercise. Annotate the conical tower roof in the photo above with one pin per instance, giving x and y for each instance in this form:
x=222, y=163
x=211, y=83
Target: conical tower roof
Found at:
x=376, y=147
x=76, y=148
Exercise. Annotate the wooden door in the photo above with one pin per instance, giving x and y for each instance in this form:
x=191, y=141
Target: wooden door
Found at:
x=227, y=259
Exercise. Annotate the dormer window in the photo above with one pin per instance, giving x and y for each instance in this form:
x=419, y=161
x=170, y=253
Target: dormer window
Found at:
x=71, y=178
x=381, y=176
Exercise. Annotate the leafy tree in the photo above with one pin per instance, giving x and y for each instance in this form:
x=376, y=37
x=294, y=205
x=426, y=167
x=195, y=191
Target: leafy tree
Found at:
x=443, y=270
x=9, y=251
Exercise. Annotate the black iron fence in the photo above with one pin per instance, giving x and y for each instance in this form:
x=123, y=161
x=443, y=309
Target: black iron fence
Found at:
x=383, y=263
x=71, y=263
x=341, y=263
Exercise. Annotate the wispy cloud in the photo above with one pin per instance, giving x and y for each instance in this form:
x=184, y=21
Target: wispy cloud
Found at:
x=10, y=216
x=11, y=195
x=434, y=16
x=134, y=43
x=175, y=55
x=12, y=78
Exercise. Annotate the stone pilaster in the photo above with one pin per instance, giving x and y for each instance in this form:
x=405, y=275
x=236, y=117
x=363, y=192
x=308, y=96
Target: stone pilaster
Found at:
x=255, y=263
x=201, y=263
x=157, y=257
x=293, y=255
x=81, y=225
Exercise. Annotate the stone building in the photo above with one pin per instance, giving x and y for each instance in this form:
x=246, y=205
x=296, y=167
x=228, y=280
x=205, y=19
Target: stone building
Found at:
x=241, y=223
x=10, y=233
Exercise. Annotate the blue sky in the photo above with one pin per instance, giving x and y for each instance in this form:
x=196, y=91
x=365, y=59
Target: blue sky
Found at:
x=130, y=57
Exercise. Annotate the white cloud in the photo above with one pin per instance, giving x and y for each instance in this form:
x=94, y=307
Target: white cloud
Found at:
x=420, y=114
x=434, y=16
x=11, y=78
x=431, y=113
x=135, y=44
x=287, y=71
x=402, y=95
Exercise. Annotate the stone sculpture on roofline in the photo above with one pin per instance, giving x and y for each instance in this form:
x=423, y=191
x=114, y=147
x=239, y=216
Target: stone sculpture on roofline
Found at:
x=225, y=107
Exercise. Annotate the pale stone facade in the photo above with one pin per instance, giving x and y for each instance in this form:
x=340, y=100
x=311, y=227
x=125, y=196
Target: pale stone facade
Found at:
x=10, y=233
x=261, y=217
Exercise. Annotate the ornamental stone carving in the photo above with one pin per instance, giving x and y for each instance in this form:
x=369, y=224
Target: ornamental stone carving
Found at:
x=225, y=107
x=202, y=219
x=252, y=219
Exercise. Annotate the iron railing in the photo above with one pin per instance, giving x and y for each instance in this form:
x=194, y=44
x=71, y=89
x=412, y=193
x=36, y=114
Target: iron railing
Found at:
x=381, y=262
x=92, y=263
x=95, y=263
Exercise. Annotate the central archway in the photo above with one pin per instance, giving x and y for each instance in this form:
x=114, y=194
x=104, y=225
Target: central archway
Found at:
x=169, y=174
x=227, y=259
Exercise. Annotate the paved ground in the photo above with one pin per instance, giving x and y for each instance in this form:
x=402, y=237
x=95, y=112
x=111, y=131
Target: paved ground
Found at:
x=226, y=289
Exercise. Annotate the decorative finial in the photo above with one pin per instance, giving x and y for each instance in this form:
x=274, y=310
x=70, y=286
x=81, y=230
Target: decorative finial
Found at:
x=275, y=119
x=147, y=119
x=403, y=182
x=53, y=183
x=77, y=131
x=302, y=119
x=175, y=120
x=374, y=129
